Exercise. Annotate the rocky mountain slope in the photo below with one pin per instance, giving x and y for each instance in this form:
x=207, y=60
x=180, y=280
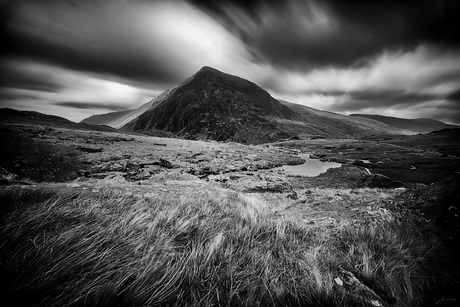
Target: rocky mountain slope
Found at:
x=215, y=105
x=222, y=107
x=417, y=125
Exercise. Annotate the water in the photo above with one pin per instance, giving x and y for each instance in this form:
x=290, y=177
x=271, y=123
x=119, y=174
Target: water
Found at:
x=311, y=168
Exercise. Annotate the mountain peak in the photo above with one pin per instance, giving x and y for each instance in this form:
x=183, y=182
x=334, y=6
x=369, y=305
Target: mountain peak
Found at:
x=209, y=69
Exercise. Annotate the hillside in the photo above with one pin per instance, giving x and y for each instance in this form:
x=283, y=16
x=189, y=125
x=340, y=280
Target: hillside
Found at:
x=222, y=107
x=119, y=119
x=337, y=125
x=418, y=125
x=215, y=105
x=105, y=119
x=35, y=118
x=161, y=221
x=218, y=106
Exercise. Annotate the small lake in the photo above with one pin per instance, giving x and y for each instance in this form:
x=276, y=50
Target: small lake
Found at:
x=311, y=168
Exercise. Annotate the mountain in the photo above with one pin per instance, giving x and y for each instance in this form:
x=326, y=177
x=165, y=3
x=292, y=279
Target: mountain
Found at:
x=121, y=118
x=215, y=105
x=219, y=106
x=418, y=125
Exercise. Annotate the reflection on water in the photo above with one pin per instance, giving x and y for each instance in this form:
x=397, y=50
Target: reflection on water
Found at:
x=311, y=168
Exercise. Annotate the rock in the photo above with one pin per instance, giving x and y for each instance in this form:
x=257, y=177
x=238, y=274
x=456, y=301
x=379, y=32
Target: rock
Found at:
x=89, y=149
x=143, y=163
x=132, y=167
x=144, y=175
x=359, y=289
x=317, y=156
x=111, y=158
x=109, y=167
x=293, y=195
x=7, y=177
x=338, y=281
x=263, y=186
x=116, y=139
x=203, y=158
x=165, y=163
x=73, y=185
x=261, y=164
x=219, y=178
x=98, y=175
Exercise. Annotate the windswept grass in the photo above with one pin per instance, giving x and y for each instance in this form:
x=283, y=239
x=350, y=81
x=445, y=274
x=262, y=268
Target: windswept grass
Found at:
x=71, y=249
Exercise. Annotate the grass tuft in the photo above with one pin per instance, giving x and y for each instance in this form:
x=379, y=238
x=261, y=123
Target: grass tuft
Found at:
x=67, y=249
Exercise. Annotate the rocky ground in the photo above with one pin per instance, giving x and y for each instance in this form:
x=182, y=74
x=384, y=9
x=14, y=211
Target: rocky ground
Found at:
x=379, y=181
x=144, y=165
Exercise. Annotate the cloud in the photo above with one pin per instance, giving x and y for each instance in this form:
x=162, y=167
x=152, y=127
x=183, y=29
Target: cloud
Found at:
x=12, y=76
x=303, y=34
x=391, y=83
x=426, y=69
x=152, y=41
x=454, y=96
x=356, y=101
x=92, y=105
x=75, y=58
x=54, y=90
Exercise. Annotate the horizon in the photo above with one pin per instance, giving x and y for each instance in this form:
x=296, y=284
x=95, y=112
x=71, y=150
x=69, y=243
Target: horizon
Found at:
x=78, y=59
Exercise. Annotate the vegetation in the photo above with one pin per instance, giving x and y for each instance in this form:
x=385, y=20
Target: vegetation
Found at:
x=61, y=248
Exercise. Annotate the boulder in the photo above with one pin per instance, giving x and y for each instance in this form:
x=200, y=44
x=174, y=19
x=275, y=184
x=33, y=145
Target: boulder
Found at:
x=165, y=163
x=89, y=149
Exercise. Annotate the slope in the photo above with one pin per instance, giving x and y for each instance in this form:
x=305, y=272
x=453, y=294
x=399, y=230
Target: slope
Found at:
x=418, y=125
x=337, y=125
x=119, y=119
x=219, y=106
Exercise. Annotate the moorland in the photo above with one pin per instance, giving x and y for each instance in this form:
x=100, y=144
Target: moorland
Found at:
x=171, y=215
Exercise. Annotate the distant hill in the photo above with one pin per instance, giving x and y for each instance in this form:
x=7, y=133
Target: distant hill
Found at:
x=419, y=125
x=121, y=118
x=215, y=105
x=106, y=119
x=338, y=125
x=31, y=117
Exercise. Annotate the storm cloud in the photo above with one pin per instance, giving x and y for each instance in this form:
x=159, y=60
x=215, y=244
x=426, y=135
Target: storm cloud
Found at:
x=389, y=57
x=92, y=105
x=301, y=34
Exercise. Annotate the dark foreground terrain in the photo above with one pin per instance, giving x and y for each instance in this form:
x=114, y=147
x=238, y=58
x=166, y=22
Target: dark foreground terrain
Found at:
x=91, y=216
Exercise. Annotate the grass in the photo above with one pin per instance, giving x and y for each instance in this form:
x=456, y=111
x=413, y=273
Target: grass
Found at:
x=61, y=248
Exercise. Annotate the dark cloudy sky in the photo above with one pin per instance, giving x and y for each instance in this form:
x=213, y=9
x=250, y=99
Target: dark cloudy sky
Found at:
x=76, y=58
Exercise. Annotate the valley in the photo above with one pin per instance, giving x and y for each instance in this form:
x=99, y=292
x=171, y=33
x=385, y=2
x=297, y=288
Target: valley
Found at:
x=189, y=205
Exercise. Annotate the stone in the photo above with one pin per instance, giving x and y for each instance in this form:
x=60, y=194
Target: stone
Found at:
x=89, y=149
x=165, y=163
x=292, y=195
x=338, y=281
x=7, y=177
